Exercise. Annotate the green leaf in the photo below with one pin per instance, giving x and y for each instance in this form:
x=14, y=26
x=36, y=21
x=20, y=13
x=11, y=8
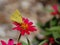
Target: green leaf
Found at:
x=47, y=25
x=53, y=21
x=23, y=43
x=41, y=43
x=54, y=29
x=46, y=33
x=39, y=24
x=59, y=8
x=56, y=35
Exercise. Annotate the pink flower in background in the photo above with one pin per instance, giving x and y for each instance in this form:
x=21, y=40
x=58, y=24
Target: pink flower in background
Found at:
x=25, y=27
x=56, y=10
x=10, y=42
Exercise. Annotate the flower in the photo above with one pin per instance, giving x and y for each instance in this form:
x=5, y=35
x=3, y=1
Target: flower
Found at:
x=19, y=44
x=45, y=44
x=56, y=10
x=51, y=40
x=10, y=42
x=24, y=27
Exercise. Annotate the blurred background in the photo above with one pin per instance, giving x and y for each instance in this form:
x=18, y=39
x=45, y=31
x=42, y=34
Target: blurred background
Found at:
x=32, y=9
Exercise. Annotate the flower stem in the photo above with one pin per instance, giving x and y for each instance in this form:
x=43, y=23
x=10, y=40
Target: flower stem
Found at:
x=28, y=41
x=19, y=37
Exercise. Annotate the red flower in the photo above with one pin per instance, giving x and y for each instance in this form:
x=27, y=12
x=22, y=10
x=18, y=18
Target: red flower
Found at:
x=55, y=8
x=51, y=40
x=45, y=44
x=25, y=27
x=19, y=44
x=10, y=42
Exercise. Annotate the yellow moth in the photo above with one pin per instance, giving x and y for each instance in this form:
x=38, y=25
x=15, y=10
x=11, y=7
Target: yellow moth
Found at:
x=16, y=16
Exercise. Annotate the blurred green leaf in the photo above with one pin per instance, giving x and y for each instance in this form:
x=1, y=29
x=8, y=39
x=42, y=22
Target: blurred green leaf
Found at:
x=59, y=8
x=54, y=29
x=23, y=43
x=47, y=25
x=46, y=33
x=56, y=35
x=39, y=24
x=41, y=43
x=53, y=21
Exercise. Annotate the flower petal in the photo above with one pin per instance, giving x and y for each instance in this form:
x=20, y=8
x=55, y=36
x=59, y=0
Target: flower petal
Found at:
x=55, y=7
x=30, y=23
x=19, y=43
x=27, y=32
x=16, y=28
x=10, y=42
x=3, y=43
x=54, y=13
x=26, y=21
x=15, y=23
x=32, y=28
x=22, y=32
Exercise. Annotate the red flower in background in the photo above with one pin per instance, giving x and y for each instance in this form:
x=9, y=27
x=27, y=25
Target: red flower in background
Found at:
x=56, y=11
x=10, y=42
x=51, y=40
x=45, y=44
x=25, y=27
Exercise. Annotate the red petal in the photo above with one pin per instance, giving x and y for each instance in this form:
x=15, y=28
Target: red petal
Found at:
x=3, y=43
x=22, y=32
x=26, y=21
x=15, y=23
x=27, y=32
x=32, y=29
x=17, y=28
x=30, y=23
x=19, y=43
x=55, y=7
x=54, y=13
x=45, y=44
x=10, y=42
x=23, y=18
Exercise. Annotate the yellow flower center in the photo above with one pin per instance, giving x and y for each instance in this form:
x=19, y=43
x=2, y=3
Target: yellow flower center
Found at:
x=24, y=26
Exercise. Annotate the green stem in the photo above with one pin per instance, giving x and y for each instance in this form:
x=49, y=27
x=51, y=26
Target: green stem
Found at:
x=28, y=41
x=19, y=37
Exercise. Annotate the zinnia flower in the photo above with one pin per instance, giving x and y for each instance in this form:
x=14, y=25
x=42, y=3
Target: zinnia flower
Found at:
x=10, y=42
x=25, y=27
x=56, y=10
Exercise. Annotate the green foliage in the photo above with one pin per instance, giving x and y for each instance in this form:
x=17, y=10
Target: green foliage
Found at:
x=23, y=43
x=51, y=28
x=43, y=42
